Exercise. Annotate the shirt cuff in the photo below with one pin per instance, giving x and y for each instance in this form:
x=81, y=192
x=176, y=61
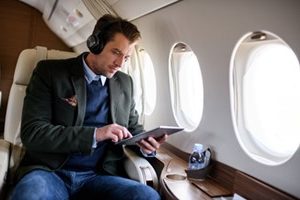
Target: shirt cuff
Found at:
x=94, y=145
x=153, y=154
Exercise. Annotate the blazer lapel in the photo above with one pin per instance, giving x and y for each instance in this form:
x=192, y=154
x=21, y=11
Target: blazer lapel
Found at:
x=80, y=91
x=114, y=91
x=79, y=85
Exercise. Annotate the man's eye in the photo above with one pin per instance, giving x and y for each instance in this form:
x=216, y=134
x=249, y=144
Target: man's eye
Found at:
x=116, y=53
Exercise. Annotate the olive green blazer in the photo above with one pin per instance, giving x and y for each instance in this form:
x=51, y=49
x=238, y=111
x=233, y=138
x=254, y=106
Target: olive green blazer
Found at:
x=51, y=127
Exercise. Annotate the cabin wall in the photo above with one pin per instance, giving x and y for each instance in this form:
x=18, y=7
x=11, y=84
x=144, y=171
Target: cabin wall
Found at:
x=212, y=28
x=21, y=27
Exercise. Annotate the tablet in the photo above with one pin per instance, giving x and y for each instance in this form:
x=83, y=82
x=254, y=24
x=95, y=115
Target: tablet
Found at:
x=156, y=133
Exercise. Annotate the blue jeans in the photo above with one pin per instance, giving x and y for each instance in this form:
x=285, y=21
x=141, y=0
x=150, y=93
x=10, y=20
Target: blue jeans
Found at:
x=64, y=184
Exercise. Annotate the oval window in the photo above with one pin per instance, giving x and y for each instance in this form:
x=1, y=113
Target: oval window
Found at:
x=148, y=81
x=141, y=69
x=265, y=97
x=185, y=86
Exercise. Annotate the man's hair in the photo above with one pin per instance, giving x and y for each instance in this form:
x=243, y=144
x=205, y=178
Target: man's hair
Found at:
x=108, y=25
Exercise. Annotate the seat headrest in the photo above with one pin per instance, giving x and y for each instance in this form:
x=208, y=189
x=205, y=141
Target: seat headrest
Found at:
x=28, y=59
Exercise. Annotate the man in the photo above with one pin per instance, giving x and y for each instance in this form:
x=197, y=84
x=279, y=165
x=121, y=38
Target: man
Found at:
x=74, y=111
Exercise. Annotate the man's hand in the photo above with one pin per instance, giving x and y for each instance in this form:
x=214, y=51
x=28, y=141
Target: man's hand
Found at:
x=113, y=132
x=151, y=144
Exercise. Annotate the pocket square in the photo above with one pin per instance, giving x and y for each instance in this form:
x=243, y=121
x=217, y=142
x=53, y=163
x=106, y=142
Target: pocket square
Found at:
x=72, y=100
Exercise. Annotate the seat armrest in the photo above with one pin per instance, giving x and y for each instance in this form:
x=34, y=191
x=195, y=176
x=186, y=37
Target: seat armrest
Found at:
x=140, y=169
x=4, y=159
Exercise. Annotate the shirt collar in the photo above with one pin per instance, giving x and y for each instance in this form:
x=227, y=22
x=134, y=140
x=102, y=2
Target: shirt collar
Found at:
x=90, y=76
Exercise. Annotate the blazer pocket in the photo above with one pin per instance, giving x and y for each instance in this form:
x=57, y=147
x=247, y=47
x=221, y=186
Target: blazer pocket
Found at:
x=63, y=112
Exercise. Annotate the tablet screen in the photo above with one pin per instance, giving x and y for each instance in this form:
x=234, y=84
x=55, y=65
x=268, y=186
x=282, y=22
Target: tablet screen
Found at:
x=156, y=133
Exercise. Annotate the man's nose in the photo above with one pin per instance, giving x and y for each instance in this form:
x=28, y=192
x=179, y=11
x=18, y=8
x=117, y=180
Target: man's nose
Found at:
x=120, y=60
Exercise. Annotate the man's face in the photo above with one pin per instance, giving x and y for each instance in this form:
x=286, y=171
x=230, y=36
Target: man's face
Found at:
x=115, y=53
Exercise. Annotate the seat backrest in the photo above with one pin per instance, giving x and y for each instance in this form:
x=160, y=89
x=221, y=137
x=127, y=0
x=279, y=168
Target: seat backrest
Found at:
x=27, y=61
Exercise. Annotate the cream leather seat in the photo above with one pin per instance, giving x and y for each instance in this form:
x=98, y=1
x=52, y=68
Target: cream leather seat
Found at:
x=11, y=150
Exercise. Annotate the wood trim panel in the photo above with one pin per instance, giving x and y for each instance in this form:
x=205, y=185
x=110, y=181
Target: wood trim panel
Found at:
x=224, y=174
x=176, y=184
x=221, y=173
x=251, y=188
x=237, y=181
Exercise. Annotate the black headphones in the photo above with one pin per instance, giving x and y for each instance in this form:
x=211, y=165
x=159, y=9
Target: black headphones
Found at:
x=95, y=42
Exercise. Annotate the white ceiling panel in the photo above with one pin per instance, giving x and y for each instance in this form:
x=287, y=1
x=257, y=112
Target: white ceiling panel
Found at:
x=132, y=9
x=73, y=20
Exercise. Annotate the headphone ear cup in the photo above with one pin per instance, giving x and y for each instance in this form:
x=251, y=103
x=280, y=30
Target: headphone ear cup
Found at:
x=95, y=43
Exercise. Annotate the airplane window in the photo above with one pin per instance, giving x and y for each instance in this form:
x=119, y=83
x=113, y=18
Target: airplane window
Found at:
x=265, y=97
x=140, y=68
x=186, y=86
x=149, y=81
